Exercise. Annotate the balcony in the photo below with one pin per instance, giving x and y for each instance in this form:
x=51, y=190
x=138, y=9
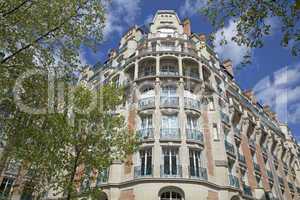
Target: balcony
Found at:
x=192, y=104
x=198, y=173
x=225, y=118
x=147, y=73
x=140, y=172
x=242, y=159
x=145, y=134
x=102, y=177
x=252, y=144
x=191, y=74
x=256, y=167
x=247, y=190
x=291, y=187
x=147, y=103
x=234, y=181
x=270, y=175
x=280, y=179
x=171, y=102
x=170, y=172
x=170, y=134
x=229, y=148
x=194, y=135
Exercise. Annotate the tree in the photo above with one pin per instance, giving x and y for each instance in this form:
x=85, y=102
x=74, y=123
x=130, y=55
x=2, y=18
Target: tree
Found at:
x=251, y=20
x=87, y=136
x=44, y=37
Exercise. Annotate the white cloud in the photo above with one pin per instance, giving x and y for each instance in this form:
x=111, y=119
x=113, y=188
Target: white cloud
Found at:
x=281, y=91
x=191, y=7
x=230, y=50
x=120, y=15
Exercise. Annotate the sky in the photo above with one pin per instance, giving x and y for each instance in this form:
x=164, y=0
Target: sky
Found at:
x=274, y=74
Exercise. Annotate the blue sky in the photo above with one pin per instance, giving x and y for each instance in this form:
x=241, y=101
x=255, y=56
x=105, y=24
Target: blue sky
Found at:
x=274, y=74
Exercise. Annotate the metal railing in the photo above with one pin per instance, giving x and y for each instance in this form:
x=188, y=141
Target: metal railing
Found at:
x=171, y=171
x=225, y=117
x=229, y=147
x=139, y=172
x=252, y=143
x=147, y=103
x=170, y=134
x=146, y=73
x=270, y=175
x=256, y=166
x=247, y=190
x=190, y=74
x=194, y=134
x=198, y=173
x=234, y=181
x=241, y=158
x=168, y=73
x=192, y=103
x=169, y=101
x=145, y=133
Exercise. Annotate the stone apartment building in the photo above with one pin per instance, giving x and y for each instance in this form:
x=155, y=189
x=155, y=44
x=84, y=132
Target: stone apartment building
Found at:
x=201, y=136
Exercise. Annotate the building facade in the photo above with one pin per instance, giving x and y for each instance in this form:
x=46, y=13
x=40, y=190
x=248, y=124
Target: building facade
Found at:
x=201, y=136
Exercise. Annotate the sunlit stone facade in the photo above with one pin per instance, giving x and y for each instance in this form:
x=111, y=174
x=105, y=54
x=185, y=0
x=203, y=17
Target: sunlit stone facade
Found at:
x=201, y=137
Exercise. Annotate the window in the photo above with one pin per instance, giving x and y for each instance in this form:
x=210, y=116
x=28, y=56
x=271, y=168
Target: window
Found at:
x=169, y=122
x=215, y=132
x=169, y=69
x=6, y=186
x=195, y=163
x=146, y=122
x=192, y=122
x=168, y=91
x=211, y=104
x=170, y=195
x=146, y=162
x=148, y=70
x=171, y=161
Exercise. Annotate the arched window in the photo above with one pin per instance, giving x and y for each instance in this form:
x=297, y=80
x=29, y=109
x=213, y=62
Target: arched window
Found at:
x=171, y=193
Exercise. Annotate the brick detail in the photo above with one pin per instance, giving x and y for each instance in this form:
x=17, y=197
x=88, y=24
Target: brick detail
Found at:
x=249, y=161
x=260, y=160
x=212, y=195
x=127, y=195
x=131, y=128
x=208, y=145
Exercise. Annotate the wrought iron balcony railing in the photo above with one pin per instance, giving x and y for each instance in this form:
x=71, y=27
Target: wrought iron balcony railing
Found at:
x=234, y=181
x=170, y=171
x=229, y=148
x=256, y=166
x=143, y=172
x=241, y=158
x=270, y=175
x=147, y=103
x=225, y=118
x=170, y=134
x=194, y=134
x=198, y=173
x=190, y=103
x=145, y=133
x=169, y=101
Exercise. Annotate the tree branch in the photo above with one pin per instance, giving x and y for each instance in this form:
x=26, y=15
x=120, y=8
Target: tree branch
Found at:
x=15, y=8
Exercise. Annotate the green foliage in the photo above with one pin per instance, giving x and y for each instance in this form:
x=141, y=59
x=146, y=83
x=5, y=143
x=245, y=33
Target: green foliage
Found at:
x=251, y=18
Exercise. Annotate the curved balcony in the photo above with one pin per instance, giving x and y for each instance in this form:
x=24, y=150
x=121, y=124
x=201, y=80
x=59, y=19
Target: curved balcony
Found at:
x=198, y=173
x=234, y=181
x=229, y=148
x=167, y=171
x=194, y=135
x=147, y=103
x=170, y=134
x=146, y=134
x=169, y=102
x=192, y=104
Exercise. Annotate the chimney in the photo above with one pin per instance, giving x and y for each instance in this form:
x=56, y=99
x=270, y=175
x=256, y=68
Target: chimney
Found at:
x=202, y=37
x=187, y=26
x=250, y=95
x=228, y=66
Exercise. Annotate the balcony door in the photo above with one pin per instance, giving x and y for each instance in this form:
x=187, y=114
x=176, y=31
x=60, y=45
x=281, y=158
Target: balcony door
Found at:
x=171, y=161
x=195, y=163
x=192, y=122
x=146, y=162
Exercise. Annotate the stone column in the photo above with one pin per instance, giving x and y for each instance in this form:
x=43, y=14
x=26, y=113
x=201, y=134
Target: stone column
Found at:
x=136, y=70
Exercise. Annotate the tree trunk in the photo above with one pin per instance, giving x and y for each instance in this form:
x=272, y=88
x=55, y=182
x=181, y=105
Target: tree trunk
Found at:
x=71, y=180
